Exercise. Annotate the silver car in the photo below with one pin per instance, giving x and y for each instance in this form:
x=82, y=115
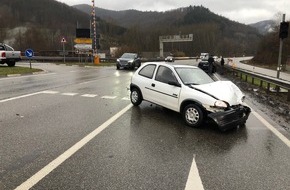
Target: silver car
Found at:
x=128, y=61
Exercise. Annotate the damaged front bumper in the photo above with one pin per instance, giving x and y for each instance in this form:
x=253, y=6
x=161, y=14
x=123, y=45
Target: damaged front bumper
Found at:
x=231, y=118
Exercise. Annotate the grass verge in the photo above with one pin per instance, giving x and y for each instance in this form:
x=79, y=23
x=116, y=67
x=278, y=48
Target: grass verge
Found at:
x=5, y=70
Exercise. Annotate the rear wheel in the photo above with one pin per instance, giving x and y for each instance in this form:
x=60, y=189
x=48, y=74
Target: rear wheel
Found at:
x=11, y=64
x=193, y=115
x=136, y=97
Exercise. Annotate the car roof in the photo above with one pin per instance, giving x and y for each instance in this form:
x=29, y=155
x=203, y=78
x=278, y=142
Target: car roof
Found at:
x=170, y=65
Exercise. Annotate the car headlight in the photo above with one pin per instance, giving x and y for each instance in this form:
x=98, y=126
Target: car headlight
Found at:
x=118, y=60
x=220, y=104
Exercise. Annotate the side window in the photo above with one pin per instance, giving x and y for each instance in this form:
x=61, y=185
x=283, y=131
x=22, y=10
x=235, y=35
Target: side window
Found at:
x=148, y=71
x=2, y=48
x=165, y=75
x=8, y=48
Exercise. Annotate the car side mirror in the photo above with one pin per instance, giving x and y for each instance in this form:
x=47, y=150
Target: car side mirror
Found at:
x=174, y=83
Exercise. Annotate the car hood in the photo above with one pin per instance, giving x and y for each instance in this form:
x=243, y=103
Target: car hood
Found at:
x=223, y=90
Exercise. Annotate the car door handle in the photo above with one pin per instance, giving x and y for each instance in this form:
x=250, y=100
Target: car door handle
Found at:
x=153, y=85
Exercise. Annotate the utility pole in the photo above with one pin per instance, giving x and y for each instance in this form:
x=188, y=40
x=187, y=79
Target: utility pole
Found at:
x=283, y=33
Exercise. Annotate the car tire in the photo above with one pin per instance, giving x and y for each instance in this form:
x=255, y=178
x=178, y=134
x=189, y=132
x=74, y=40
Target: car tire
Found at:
x=136, y=97
x=118, y=67
x=11, y=64
x=193, y=115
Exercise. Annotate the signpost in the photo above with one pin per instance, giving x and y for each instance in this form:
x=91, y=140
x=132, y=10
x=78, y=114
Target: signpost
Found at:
x=29, y=54
x=174, y=38
x=63, y=41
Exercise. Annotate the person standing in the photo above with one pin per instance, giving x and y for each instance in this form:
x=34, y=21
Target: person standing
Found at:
x=210, y=64
x=222, y=65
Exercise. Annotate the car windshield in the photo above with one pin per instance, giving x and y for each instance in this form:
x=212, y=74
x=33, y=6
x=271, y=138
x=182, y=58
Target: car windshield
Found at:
x=128, y=55
x=193, y=76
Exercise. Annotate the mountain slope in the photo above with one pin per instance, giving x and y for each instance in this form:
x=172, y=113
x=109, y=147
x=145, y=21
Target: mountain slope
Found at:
x=42, y=24
x=212, y=33
x=264, y=27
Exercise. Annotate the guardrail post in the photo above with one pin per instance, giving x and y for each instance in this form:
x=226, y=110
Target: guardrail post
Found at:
x=288, y=97
x=261, y=83
x=253, y=80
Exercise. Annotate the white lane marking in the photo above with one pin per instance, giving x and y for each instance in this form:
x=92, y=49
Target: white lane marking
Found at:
x=49, y=92
x=125, y=98
x=193, y=181
x=109, y=97
x=10, y=78
x=68, y=153
x=271, y=128
x=89, y=95
x=18, y=97
x=69, y=94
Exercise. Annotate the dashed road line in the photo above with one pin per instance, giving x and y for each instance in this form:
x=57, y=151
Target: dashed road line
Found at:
x=69, y=94
x=89, y=95
x=109, y=97
x=49, y=92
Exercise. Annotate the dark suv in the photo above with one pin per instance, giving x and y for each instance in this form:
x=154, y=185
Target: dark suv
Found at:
x=128, y=60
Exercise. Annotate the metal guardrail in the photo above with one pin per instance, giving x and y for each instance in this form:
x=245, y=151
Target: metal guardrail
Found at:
x=69, y=59
x=278, y=83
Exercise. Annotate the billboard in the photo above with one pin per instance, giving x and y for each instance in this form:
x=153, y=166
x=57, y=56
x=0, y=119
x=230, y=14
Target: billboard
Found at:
x=83, y=33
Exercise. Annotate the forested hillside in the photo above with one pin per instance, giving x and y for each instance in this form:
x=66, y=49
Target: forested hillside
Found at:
x=212, y=33
x=268, y=49
x=41, y=24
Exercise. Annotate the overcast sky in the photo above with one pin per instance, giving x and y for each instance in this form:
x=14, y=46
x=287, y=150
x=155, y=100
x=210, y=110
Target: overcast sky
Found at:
x=243, y=11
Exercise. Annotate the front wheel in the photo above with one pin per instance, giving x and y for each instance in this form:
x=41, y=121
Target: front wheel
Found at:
x=136, y=97
x=193, y=115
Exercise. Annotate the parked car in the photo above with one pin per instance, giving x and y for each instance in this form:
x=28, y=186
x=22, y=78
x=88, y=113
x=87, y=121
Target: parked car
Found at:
x=128, y=60
x=169, y=59
x=8, y=55
x=191, y=92
x=204, y=65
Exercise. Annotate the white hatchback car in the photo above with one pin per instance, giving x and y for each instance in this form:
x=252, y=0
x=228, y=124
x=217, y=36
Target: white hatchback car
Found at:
x=191, y=92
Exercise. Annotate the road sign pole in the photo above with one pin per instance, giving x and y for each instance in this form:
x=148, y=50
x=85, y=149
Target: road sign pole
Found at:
x=279, y=67
x=63, y=47
x=29, y=54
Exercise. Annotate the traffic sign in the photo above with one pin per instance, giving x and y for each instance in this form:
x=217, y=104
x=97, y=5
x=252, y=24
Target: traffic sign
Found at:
x=29, y=53
x=63, y=40
x=83, y=41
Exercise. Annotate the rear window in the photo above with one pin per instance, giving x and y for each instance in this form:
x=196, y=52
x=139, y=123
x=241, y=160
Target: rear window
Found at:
x=147, y=71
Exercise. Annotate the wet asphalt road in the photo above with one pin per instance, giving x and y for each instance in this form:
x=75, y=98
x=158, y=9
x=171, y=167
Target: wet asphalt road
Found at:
x=147, y=147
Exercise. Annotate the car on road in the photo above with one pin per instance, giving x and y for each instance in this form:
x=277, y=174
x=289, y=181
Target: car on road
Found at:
x=128, y=61
x=191, y=92
x=204, y=65
x=169, y=59
x=8, y=55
